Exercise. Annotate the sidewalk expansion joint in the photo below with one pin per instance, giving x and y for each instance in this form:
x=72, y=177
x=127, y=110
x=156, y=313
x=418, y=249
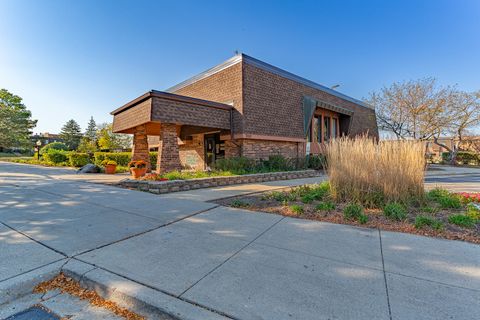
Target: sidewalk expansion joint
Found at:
x=233, y=255
x=385, y=275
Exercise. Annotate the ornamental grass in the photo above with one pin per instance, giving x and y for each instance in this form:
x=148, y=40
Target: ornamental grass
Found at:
x=373, y=173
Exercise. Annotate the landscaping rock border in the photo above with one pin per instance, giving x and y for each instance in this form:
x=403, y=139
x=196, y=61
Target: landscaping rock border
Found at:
x=160, y=187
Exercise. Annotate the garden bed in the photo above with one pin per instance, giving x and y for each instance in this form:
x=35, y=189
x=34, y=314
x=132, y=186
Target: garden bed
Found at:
x=214, y=181
x=432, y=218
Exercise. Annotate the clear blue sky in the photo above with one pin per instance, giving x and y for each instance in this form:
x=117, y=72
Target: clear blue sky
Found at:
x=76, y=59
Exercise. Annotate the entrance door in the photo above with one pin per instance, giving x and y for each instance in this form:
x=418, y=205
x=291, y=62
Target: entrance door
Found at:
x=214, y=149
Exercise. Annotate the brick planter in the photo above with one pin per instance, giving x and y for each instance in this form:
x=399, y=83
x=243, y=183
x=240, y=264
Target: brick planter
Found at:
x=191, y=184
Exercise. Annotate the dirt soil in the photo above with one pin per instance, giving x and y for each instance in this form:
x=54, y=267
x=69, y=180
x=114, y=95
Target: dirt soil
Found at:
x=376, y=219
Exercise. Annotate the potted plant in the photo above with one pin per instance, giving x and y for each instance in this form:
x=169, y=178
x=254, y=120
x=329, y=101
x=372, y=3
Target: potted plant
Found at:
x=110, y=166
x=138, y=168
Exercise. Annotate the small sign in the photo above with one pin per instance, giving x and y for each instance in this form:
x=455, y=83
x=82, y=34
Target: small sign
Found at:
x=191, y=160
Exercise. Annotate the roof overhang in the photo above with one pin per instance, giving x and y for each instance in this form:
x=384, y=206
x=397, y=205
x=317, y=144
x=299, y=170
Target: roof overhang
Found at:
x=156, y=107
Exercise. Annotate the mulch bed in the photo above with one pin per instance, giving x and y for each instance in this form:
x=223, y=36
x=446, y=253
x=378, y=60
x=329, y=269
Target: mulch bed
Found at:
x=68, y=285
x=376, y=219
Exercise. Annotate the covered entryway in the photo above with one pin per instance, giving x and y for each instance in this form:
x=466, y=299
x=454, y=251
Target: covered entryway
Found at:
x=175, y=119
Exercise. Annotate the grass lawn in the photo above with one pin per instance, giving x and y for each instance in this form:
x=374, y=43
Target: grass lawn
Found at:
x=439, y=214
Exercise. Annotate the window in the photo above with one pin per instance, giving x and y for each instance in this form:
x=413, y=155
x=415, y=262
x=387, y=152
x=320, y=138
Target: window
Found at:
x=326, y=129
x=317, y=129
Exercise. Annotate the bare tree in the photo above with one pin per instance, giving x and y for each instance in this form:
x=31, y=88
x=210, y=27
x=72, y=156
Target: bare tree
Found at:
x=412, y=109
x=463, y=114
x=423, y=110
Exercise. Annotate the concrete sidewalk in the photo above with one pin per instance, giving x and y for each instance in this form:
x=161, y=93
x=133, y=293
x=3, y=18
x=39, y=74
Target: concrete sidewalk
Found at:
x=198, y=260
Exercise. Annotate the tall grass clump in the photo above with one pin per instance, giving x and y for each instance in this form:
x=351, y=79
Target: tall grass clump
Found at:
x=372, y=173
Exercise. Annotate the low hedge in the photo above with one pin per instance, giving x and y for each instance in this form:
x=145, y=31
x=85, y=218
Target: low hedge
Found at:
x=465, y=157
x=79, y=159
x=121, y=158
x=55, y=156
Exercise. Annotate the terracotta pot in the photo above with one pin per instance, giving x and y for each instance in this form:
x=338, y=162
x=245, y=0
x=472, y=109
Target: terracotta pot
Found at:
x=138, y=172
x=110, y=168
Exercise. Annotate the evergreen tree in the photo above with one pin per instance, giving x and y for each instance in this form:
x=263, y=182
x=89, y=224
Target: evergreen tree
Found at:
x=15, y=121
x=91, y=132
x=71, y=134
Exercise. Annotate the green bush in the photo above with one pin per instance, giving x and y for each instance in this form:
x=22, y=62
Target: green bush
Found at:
x=450, y=202
x=422, y=221
x=462, y=220
x=238, y=165
x=473, y=211
x=237, y=203
x=316, y=162
x=363, y=219
x=353, y=211
x=55, y=156
x=325, y=206
x=78, y=159
x=121, y=158
x=296, y=208
x=437, y=193
x=395, y=211
x=465, y=157
x=53, y=146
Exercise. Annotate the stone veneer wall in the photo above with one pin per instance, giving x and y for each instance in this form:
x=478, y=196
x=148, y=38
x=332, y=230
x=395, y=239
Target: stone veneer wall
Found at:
x=185, y=185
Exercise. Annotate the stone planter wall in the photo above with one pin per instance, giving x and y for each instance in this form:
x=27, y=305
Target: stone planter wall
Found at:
x=185, y=185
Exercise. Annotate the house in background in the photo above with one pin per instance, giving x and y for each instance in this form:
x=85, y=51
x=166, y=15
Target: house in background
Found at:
x=242, y=107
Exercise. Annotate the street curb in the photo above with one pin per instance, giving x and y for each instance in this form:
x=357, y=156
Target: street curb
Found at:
x=151, y=303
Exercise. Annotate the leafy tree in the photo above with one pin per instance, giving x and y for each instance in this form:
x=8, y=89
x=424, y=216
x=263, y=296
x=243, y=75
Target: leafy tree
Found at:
x=71, y=134
x=88, y=143
x=15, y=121
x=111, y=141
x=91, y=132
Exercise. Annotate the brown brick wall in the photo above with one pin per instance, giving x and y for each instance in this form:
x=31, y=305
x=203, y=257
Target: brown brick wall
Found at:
x=140, y=146
x=170, y=111
x=168, y=156
x=272, y=105
x=132, y=117
x=261, y=149
x=224, y=87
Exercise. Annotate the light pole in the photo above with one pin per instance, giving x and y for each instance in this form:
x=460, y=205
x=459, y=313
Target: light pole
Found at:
x=37, y=148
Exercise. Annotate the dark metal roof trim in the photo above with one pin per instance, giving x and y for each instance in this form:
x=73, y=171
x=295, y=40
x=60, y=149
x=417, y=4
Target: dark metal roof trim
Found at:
x=173, y=97
x=267, y=67
x=331, y=107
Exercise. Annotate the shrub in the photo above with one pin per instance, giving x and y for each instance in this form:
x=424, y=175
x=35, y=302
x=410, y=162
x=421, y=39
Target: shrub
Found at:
x=237, y=203
x=239, y=165
x=437, y=193
x=422, y=221
x=316, y=162
x=121, y=158
x=462, y=220
x=276, y=163
x=55, y=156
x=364, y=171
x=53, y=146
x=353, y=211
x=77, y=159
x=395, y=211
x=296, y=208
x=281, y=196
x=451, y=201
x=325, y=206
x=465, y=157
x=362, y=219
x=428, y=209
x=473, y=211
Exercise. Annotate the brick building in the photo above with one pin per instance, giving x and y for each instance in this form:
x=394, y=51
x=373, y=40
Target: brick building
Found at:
x=242, y=107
